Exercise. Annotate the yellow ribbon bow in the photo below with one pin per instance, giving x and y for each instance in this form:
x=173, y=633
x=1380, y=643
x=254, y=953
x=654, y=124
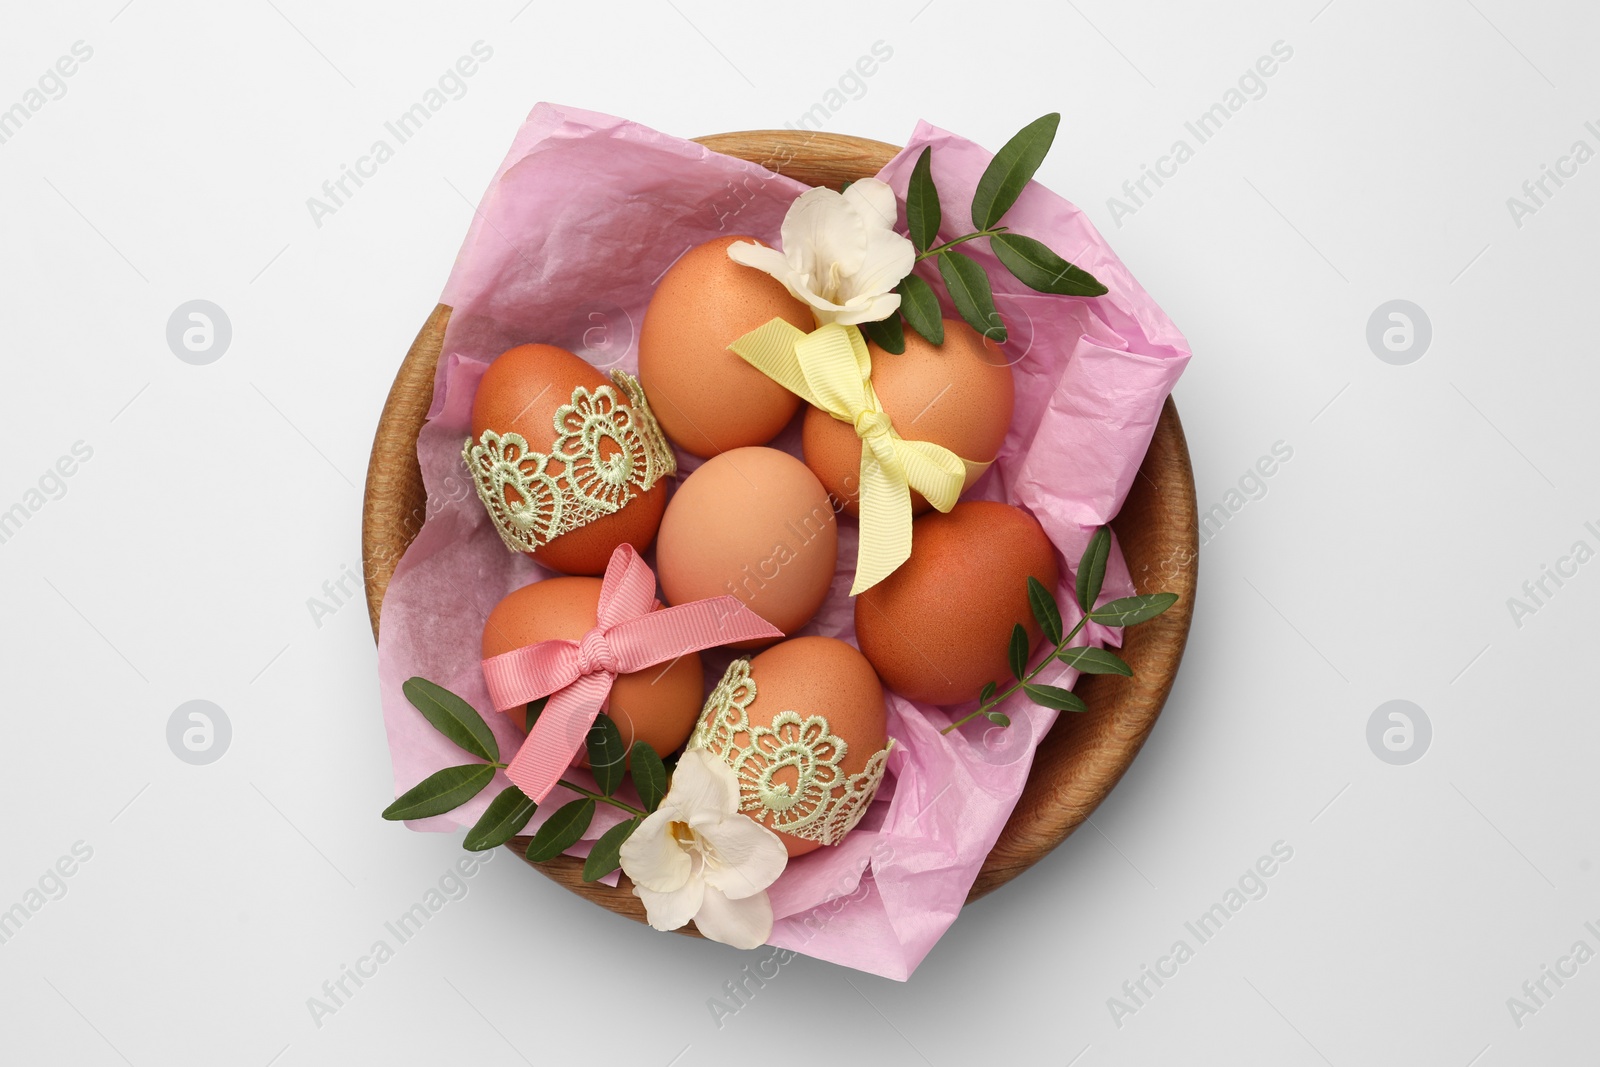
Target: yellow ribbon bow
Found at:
x=830, y=368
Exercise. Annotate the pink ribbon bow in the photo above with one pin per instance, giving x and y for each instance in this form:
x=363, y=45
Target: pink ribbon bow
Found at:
x=629, y=635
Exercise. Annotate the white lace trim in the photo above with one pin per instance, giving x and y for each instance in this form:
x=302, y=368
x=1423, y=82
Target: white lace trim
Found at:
x=824, y=803
x=530, y=506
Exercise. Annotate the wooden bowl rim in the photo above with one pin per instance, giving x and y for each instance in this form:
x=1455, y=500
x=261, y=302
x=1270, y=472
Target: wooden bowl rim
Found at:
x=1096, y=747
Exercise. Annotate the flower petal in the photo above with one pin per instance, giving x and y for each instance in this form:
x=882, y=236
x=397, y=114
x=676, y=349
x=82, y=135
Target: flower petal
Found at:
x=889, y=258
x=748, y=857
x=745, y=923
x=704, y=789
x=762, y=258
x=873, y=310
x=822, y=309
x=824, y=234
x=668, y=911
x=875, y=201
x=651, y=858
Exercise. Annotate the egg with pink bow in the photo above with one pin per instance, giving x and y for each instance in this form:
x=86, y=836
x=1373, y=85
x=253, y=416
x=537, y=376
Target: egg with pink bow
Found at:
x=657, y=705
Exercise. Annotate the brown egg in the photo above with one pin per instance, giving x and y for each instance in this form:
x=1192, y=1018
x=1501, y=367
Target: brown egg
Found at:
x=520, y=393
x=958, y=394
x=812, y=676
x=939, y=627
x=752, y=523
x=658, y=705
x=706, y=398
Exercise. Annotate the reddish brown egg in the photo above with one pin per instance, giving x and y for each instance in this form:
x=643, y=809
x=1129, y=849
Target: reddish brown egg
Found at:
x=521, y=393
x=958, y=394
x=940, y=626
x=658, y=705
x=752, y=523
x=707, y=399
x=789, y=771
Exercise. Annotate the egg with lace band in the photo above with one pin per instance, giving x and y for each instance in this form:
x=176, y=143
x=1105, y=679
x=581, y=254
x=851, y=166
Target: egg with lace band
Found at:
x=708, y=399
x=803, y=726
x=568, y=463
x=756, y=524
x=657, y=705
x=940, y=626
x=958, y=395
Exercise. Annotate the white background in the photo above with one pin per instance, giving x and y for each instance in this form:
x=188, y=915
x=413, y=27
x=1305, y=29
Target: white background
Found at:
x=1378, y=565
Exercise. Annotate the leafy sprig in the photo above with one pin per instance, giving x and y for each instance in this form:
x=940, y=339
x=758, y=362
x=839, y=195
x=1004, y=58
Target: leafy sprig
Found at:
x=1029, y=260
x=1125, y=611
x=509, y=813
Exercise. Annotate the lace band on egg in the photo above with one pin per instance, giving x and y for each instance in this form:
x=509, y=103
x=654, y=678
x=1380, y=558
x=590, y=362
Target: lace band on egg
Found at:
x=823, y=803
x=531, y=506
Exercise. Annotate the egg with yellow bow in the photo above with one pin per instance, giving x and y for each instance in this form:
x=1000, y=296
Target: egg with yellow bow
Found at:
x=959, y=395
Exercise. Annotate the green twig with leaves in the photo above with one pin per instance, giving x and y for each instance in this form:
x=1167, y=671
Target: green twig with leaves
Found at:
x=509, y=813
x=1125, y=611
x=1029, y=260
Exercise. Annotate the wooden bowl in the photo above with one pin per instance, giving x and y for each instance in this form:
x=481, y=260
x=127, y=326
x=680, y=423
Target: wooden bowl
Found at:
x=1077, y=762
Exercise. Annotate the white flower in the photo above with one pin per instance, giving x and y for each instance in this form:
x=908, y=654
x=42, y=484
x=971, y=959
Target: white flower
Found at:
x=840, y=253
x=695, y=857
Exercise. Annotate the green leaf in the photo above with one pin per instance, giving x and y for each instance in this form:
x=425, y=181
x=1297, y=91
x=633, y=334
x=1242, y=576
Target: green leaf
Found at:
x=1044, y=607
x=440, y=792
x=561, y=831
x=1094, y=661
x=1092, y=568
x=608, y=756
x=1053, y=696
x=999, y=718
x=605, y=857
x=1011, y=169
x=1039, y=268
x=887, y=334
x=504, y=819
x=535, y=709
x=453, y=717
x=1019, y=651
x=922, y=203
x=988, y=691
x=1133, y=609
x=969, y=289
x=649, y=775
x=921, y=308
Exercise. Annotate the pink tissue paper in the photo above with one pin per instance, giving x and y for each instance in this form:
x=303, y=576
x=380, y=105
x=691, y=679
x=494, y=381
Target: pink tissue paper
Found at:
x=579, y=223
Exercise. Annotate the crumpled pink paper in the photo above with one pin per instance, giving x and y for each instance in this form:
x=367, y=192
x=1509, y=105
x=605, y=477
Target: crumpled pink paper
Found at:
x=579, y=223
